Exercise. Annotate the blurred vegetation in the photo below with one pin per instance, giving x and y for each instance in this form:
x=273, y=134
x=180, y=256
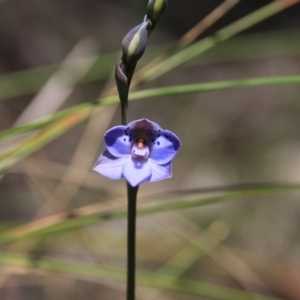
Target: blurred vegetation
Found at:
x=226, y=225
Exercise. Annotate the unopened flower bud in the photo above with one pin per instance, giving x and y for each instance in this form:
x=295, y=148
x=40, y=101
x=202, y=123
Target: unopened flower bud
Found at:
x=155, y=9
x=134, y=44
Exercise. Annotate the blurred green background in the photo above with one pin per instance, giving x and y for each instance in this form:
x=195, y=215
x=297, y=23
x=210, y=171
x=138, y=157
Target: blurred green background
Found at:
x=240, y=143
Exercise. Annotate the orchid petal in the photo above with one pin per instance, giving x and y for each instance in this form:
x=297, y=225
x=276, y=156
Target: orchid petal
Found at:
x=160, y=172
x=110, y=166
x=136, y=171
x=164, y=147
x=144, y=124
x=118, y=142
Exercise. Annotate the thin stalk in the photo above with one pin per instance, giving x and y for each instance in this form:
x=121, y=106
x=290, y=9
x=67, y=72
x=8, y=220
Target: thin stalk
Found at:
x=124, y=113
x=123, y=90
x=131, y=218
x=131, y=225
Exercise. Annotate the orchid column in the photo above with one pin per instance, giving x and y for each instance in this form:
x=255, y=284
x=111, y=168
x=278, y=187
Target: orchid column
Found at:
x=140, y=150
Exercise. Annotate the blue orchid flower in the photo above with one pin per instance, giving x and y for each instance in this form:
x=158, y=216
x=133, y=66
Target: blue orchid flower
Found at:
x=140, y=151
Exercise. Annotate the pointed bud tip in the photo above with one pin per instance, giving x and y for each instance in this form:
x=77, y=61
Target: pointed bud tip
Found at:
x=134, y=43
x=155, y=9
